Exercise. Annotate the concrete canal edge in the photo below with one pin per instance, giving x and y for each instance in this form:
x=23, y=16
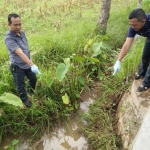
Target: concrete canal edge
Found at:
x=134, y=118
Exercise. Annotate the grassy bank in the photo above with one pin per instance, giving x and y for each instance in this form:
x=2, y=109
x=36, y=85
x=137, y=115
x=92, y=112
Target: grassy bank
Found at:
x=101, y=130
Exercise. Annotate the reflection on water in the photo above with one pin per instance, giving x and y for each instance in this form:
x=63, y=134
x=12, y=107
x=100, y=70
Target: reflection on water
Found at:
x=63, y=141
x=67, y=137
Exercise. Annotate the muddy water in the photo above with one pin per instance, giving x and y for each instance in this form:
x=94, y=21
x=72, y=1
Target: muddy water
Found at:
x=66, y=137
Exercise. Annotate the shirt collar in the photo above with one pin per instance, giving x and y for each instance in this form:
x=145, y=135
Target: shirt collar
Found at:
x=14, y=34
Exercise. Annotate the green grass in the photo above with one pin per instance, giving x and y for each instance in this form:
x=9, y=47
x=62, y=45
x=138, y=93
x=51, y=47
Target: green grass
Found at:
x=102, y=115
x=51, y=36
x=46, y=22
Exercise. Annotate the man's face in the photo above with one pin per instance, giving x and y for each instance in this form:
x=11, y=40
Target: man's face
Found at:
x=15, y=24
x=137, y=25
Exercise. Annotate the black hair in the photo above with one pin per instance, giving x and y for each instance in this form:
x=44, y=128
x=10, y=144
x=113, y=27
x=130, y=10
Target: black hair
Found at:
x=137, y=13
x=14, y=15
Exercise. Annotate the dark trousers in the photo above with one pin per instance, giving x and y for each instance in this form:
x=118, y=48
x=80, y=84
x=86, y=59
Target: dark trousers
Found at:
x=145, y=66
x=19, y=78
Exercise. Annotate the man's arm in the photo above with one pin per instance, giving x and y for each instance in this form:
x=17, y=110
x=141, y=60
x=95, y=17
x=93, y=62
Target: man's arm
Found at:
x=20, y=53
x=125, y=48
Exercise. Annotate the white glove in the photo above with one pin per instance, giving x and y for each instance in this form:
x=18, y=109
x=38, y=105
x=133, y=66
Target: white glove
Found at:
x=35, y=69
x=117, y=67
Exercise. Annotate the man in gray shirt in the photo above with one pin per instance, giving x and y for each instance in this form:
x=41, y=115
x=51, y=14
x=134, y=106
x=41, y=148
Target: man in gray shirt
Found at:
x=21, y=64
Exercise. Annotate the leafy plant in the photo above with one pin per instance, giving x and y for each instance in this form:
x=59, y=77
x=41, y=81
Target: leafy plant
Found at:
x=12, y=145
x=73, y=74
x=11, y=99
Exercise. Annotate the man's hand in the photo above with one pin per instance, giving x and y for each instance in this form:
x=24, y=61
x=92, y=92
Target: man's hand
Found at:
x=35, y=69
x=117, y=67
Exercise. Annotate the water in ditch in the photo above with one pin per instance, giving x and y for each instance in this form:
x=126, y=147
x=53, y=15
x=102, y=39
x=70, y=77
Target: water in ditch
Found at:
x=67, y=137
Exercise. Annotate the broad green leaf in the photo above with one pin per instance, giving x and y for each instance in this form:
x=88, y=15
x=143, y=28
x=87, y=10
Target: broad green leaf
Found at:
x=101, y=77
x=105, y=37
x=11, y=148
x=65, y=99
x=67, y=60
x=6, y=147
x=76, y=106
x=96, y=47
x=106, y=46
x=11, y=99
x=94, y=68
x=71, y=108
x=67, y=109
x=90, y=41
x=85, y=47
x=77, y=58
x=77, y=95
x=14, y=142
x=88, y=44
x=104, y=56
x=94, y=60
x=62, y=90
x=81, y=80
x=61, y=71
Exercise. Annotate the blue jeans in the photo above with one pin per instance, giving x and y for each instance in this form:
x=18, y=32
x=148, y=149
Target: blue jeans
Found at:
x=145, y=66
x=19, y=78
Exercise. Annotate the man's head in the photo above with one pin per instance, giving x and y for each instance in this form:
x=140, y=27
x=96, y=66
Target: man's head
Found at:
x=137, y=19
x=14, y=22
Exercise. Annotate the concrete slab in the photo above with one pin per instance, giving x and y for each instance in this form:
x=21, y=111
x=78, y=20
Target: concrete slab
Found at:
x=142, y=139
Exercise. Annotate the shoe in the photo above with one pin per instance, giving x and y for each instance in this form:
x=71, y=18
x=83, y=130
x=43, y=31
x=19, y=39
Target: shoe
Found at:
x=27, y=103
x=137, y=77
x=142, y=88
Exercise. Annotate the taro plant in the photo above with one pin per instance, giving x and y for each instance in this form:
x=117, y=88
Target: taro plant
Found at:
x=11, y=99
x=69, y=74
x=100, y=51
x=73, y=77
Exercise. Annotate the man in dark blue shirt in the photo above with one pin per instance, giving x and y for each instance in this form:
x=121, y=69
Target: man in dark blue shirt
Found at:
x=139, y=24
x=21, y=64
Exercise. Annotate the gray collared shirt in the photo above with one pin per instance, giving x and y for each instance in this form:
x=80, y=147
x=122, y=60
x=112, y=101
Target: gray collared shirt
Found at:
x=12, y=42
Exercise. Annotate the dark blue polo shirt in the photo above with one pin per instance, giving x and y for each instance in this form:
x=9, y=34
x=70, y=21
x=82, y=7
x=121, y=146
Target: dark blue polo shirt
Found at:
x=145, y=31
x=13, y=42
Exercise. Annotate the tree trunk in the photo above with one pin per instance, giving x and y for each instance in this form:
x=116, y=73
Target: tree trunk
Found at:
x=104, y=16
x=139, y=3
